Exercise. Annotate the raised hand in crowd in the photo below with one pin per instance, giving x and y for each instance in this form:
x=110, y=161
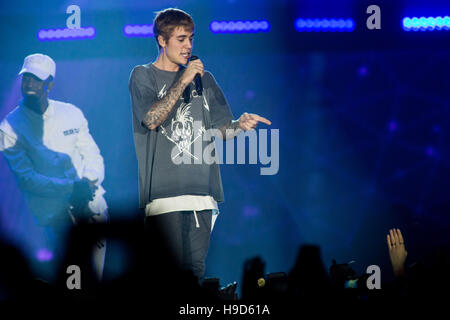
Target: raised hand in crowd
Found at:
x=397, y=251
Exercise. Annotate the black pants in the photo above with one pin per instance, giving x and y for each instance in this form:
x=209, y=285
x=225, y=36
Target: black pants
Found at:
x=187, y=240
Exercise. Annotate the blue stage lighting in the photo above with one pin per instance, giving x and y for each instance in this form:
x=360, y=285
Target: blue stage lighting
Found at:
x=66, y=34
x=393, y=126
x=324, y=25
x=239, y=26
x=430, y=151
x=138, y=30
x=44, y=254
x=426, y=24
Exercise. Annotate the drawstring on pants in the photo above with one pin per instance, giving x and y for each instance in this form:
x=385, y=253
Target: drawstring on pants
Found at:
x=196, y=219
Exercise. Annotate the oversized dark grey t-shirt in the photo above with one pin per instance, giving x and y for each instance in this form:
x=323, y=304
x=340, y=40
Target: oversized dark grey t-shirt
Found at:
x=170, y=158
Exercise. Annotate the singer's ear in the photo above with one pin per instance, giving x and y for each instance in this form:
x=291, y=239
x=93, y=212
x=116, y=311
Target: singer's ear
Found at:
x=161, y=41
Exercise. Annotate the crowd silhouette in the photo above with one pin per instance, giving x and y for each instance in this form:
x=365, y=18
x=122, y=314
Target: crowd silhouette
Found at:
x=152, y=279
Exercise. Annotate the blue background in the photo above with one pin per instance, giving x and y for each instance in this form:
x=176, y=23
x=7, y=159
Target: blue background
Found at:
x=363, y=120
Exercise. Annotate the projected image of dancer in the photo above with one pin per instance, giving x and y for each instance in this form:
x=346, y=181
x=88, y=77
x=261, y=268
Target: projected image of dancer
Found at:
x=56, y=161
x=175, y=103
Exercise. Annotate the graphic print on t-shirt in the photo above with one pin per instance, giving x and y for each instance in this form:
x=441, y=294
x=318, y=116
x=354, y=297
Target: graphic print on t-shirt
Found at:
x=182, y=130
x=162, y=92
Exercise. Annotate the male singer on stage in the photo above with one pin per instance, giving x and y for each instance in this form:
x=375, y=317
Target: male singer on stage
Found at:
x=172, y=112
x=55, y=159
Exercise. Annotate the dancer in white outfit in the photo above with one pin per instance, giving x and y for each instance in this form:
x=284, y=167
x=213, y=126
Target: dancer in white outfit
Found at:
x=54, y=158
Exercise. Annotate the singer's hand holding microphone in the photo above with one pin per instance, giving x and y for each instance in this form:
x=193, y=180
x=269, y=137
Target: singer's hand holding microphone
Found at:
x=194, y=66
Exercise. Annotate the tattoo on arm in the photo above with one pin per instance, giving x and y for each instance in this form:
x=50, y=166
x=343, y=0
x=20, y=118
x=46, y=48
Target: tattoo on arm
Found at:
x=230, y=130
x=161, y=109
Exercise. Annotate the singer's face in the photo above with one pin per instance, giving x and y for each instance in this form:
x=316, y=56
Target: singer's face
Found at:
x=179, y=46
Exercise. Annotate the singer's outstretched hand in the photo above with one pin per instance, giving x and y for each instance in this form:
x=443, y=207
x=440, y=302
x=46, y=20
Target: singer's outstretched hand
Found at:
x=249, y=121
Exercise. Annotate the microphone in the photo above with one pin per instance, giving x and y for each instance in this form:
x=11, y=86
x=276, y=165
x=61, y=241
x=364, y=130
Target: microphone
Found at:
x=197, y=80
